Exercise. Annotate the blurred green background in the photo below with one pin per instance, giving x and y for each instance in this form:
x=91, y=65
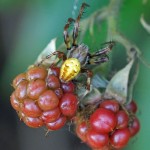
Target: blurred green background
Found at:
x=26, y=27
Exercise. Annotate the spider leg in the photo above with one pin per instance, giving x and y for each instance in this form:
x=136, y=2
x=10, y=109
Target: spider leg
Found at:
x=104, y=50
x=66, y=35
x=93, y=60
x=89, y=76
x=111, y=43
x=76, y=25
x=60, y=55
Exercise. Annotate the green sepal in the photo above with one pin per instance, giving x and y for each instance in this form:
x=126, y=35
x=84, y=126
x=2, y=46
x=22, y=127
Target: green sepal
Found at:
x=118, y=85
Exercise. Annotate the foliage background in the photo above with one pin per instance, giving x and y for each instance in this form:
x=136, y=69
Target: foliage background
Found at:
x=26, y=27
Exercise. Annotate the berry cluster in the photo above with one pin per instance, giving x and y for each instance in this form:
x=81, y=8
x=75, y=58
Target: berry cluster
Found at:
x=40, y=98
x=108, y=127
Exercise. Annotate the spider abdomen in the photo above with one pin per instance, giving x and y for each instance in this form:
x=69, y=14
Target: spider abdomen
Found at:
x=69, y=69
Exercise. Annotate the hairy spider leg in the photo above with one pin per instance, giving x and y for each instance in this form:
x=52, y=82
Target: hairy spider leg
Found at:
x=104, y=50
x=89, y=76
x=66, y=35
x=59, y=54
x=100, y=60
x=111, y=43
x=76, y=24
x=102, y=53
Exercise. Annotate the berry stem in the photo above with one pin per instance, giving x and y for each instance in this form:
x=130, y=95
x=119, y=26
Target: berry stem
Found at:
x=123, y=107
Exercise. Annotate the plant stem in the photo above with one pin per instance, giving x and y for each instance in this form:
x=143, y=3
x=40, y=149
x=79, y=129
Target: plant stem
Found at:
x=113, y=10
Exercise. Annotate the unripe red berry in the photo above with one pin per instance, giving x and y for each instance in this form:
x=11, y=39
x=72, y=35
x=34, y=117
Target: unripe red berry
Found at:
x=21, y=90
x=18, y=79
x=107, y=147
x=30, y=108
x=68, y=104
x=36, y=73
x=131, y=107
x=120, y=138
x=36, y=88
x=112, y=105
x=33, y=122
x=68, y=87
x=134, y=127
x=59, y=123
x=52, y=82
x=51, y=115
x=122, y=119
x=81, y=131
x=103, y=120
x=48, y=100
x=55, y=70
x=97, y=140
x=14, y=102
x=59, y=93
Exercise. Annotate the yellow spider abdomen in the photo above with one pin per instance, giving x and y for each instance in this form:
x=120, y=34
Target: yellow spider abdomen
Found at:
x=69, y=69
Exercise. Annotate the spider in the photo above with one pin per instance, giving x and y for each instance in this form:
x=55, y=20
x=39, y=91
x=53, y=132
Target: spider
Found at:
x=78, y=55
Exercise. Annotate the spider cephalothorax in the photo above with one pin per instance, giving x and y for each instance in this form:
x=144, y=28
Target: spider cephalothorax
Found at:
x=78, y=56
